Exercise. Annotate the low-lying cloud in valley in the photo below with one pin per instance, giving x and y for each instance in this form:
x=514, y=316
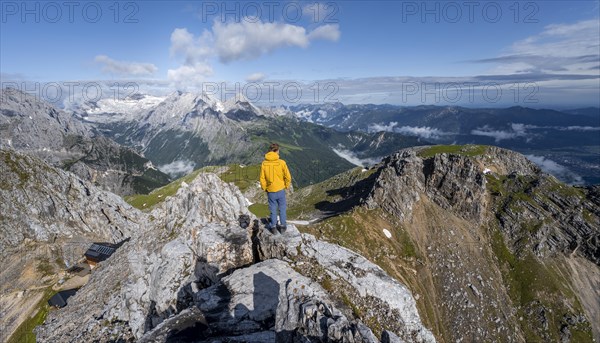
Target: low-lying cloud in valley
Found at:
x=517, y=130
x=419, y=131
x=559, y=171
x=354, y=159
x=178, y=168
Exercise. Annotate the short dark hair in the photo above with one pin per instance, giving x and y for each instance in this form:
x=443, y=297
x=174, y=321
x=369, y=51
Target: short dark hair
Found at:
x=274, y=147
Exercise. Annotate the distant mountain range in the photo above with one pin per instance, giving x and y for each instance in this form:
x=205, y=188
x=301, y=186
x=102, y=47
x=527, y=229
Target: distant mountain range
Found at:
x=567, y=143
x=184, y=131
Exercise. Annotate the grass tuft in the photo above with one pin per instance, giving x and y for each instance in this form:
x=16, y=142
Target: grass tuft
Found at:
x=466, y=150
x=24, y=333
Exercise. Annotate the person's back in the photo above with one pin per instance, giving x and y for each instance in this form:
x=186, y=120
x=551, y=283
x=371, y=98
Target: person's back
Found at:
x=275, y=178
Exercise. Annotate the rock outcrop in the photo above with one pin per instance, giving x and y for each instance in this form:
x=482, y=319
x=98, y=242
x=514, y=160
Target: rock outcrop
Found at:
x=195, y=274
x=455, y=182
x=499, y=240
x=391, y=304
x=44, y=204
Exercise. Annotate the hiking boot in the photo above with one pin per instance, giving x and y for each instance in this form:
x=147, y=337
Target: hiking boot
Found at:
x=282, y=229
x=273, y=231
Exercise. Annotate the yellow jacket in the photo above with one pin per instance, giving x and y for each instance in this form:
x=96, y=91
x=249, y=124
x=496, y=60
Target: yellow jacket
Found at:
x=274, y=173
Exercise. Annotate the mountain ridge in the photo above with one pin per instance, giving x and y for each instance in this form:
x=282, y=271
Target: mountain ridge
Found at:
x=454, y=239
x=197, y=130
x=479, y=251
x=177, y=259
x=38, y=128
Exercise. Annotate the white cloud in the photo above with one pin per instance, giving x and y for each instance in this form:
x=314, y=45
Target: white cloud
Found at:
x=248, y=40
x=558, y=49
x=382, y=127
x=189, y=74
x=256, y=77
x=178, y=168
x=520, y=129
x=559, y=171
x=517, y=130
x=496, y=134
x=125, y=68
x=354, y=159
x=329, y=32
x=581, y=128
x=196, y=52
x=419, y=131
x=194, y=49
x=244, y=40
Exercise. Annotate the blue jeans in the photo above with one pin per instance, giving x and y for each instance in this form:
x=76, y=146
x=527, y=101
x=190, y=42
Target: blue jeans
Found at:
x=277, y=199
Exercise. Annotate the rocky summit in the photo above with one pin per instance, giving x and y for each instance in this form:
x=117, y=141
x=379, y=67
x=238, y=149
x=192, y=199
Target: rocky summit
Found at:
x=433, y=244
x=192, y=273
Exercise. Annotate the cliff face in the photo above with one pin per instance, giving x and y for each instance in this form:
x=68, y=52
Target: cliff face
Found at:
x=44, y=204
x=454, y=182
x=48, y=217
x=495, y=250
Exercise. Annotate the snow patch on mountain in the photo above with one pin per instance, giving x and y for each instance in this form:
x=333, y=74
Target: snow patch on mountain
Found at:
x=114, y=109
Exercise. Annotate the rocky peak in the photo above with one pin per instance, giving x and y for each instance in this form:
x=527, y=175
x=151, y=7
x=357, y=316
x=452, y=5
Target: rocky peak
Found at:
x=194, y=273
x=27, y=122
x=519, y=195
x=240, y=104
x=454, y=181
x=35, y=127
x=464, y=204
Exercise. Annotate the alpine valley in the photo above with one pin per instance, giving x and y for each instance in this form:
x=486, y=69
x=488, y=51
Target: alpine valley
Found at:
x=184, y=131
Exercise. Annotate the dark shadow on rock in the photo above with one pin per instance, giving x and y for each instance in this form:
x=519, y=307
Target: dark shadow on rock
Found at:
x=214, y=317
x=185, y=297
x=266, y=295
x=352, y=196
x=428, y=167
x=206, y=274
x=255, y=241
x=192, y=333
x=150, y=317
x=234, y=325
x=244, y=221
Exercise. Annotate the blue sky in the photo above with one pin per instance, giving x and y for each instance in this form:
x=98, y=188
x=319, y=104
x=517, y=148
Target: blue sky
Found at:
x=373, y=51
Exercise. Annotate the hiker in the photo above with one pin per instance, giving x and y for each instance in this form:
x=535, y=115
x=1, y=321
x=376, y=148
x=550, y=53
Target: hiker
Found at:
x=275, y=178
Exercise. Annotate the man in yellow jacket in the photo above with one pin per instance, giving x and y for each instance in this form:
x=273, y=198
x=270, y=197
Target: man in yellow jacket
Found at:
x=275, y=178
